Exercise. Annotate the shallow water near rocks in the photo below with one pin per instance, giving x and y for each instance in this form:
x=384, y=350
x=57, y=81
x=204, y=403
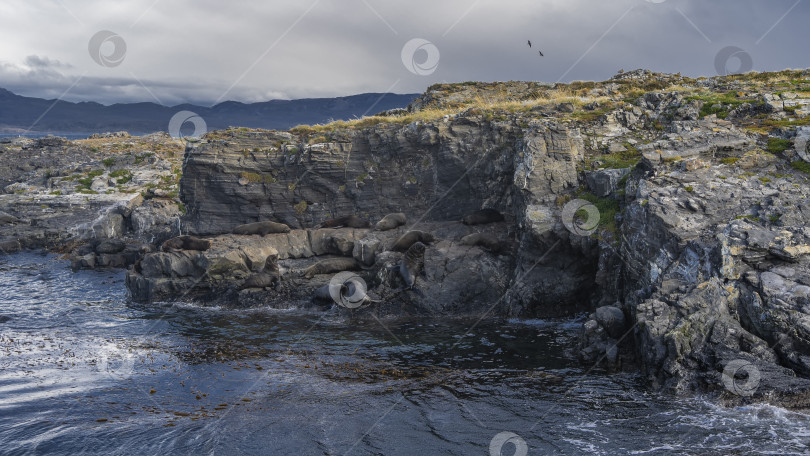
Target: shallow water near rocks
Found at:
x=84, y=371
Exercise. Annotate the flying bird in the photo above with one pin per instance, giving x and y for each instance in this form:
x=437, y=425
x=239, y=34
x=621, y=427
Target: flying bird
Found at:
x=541, y=53
x=530, y=43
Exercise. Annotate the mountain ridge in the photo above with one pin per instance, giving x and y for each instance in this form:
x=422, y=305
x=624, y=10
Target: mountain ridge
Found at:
x=25, y=114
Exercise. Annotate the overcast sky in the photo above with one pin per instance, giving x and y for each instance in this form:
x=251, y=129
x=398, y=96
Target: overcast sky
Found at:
x=205, y=51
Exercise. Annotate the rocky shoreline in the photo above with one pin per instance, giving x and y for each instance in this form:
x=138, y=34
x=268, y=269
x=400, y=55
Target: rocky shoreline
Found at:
x=672, y=210
x=72, y=196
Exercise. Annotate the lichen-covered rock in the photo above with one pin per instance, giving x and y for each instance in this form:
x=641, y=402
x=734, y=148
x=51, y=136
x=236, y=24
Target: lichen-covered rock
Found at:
x=711, y=257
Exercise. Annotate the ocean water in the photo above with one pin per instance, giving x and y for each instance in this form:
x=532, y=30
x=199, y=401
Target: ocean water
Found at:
x=85, y=371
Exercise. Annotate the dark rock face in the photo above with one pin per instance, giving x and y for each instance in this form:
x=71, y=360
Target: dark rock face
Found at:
x=430, y=172
x=434, y=173
x=603, y=182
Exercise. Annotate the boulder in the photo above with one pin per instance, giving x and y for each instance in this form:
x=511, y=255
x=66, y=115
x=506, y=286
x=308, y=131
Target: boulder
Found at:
x=612, y=320
x=603, y=182
x=9, y=245
x=801, y=143
x=110, y=246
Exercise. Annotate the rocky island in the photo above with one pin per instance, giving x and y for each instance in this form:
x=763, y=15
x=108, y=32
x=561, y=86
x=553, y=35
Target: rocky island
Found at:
x=672, y=211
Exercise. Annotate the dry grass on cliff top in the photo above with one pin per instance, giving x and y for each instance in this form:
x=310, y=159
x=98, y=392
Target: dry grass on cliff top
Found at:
x=167, y=148
x=499, y=98
x=370, y=121
x=478, y=104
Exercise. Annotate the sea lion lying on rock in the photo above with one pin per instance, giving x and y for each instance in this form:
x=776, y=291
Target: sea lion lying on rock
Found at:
x=488, y=241
x=330, y=266
x=349, y=294
x=483, y=216
x=391, y=221
x=6, y=218
x=185, y=243
x=323, y=295
x=261, y=228
x=408, y=239
x=270, y=276
x=412, y=264
x=349, y=221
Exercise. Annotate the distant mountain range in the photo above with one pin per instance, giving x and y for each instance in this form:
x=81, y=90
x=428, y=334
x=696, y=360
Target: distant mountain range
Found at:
x=18, y=113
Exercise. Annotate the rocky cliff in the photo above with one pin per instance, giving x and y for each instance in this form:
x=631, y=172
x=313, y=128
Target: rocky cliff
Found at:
x=671, y=212
x=698, y=259
x=434, y=172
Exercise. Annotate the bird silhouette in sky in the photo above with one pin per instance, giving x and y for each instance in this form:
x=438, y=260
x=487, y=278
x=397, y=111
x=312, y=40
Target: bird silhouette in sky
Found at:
x=539, y=52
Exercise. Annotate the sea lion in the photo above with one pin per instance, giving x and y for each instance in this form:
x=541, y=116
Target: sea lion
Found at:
x=483, y=216
x=488, y=241
x=408, y=239
x=391, y=221
x=349, y=221
x=323, y=295
x=412, y=263
x=261, y=228
x=348, y=293
x=268, y=277
x=185, y=243
x=331, y=265
x=7, y=219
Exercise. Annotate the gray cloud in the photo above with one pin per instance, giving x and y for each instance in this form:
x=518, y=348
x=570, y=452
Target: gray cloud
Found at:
x=204, y=51
x=35, y=61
